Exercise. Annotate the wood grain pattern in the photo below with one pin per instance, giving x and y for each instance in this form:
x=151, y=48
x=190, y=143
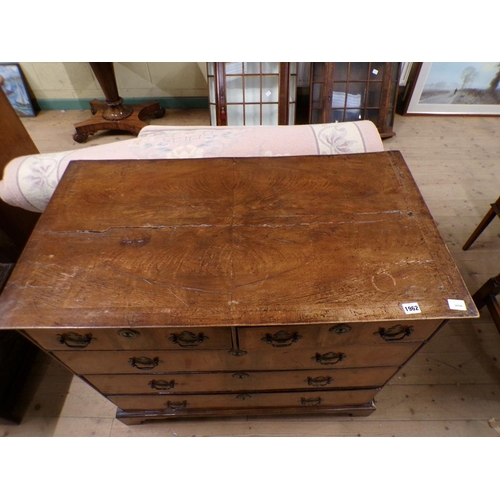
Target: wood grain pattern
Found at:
x=353, y=356
x=175, y=403
x=238, y=381
x=235, y=242
x=129, y=338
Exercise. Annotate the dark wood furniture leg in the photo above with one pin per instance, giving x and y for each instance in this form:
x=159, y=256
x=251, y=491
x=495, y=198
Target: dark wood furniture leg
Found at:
x=17, y=354
x=486, y=296
x=493, y=212
x=113, y=114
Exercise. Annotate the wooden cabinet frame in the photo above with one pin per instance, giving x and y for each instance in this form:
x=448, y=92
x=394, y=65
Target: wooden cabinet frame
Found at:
x=328, y=77
x=285, y=100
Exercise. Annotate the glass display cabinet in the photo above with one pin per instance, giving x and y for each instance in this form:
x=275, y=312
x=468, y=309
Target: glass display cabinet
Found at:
x=252, y=93
x=349, y=91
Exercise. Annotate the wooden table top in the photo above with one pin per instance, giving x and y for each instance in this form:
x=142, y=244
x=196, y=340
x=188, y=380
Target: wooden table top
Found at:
x=234, y=241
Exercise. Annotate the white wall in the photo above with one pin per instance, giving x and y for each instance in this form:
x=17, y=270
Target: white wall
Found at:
x=138, y=80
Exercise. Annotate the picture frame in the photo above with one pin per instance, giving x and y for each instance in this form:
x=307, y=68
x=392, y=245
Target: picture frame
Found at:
x=456, y=88
x=404, y=73
x=408, y=78
x=14, y=86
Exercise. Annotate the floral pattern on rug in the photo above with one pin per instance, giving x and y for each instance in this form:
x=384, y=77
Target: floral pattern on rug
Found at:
x=30, y=181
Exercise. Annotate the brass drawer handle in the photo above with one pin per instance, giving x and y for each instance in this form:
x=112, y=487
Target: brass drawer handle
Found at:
x=176, y=405
x=311, y=401
x=281, y=338
x=75, y=340
x=188, y=339
x=144, y=363
x=162, y=385
x=319, y=381
x=329, y=358
x=128, y=333
x=241, y=375
x=340, y=328
x=394, y=333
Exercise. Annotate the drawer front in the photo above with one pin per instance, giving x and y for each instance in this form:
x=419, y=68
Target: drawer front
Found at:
x=334, y=335
x=183, y=403
x=132, y=338
x=352, y=356
x=179, y=383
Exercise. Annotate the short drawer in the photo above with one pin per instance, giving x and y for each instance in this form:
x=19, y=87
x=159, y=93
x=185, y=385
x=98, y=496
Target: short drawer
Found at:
x=387, y=332
x=241, y=381
x=182, y=403
x=335, y=335
x=352, y=356
x=132, y=338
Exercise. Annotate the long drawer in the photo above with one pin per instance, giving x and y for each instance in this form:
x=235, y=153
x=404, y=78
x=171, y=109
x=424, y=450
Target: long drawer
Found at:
x=179, y=383
x=334, y=335
x=181, y=403
x=132, y=338
x=353, y=356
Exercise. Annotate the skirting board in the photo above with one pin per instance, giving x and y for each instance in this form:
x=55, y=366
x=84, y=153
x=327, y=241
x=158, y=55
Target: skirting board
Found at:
x=165, y=102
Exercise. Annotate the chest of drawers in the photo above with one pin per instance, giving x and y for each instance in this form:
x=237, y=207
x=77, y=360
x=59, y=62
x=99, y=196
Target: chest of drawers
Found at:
x=229, y=287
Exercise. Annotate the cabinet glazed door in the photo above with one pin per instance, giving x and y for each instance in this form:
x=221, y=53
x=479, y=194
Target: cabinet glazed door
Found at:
x=342, y=92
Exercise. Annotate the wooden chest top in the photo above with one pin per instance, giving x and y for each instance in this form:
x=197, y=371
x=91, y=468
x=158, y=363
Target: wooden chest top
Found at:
x=233, y=241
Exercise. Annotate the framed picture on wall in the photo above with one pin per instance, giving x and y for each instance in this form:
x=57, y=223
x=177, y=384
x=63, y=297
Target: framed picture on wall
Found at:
x=407, y=80
x=456, y=88
x=14, y=86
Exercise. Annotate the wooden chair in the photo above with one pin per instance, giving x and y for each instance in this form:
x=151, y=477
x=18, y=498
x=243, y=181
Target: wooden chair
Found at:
x=493, y=212
x=486, y=295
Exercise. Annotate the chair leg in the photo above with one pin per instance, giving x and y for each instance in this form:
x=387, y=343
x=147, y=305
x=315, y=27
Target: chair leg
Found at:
x=490, y=288
x=486, y=296
x=494, y=309
x=490, y=215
